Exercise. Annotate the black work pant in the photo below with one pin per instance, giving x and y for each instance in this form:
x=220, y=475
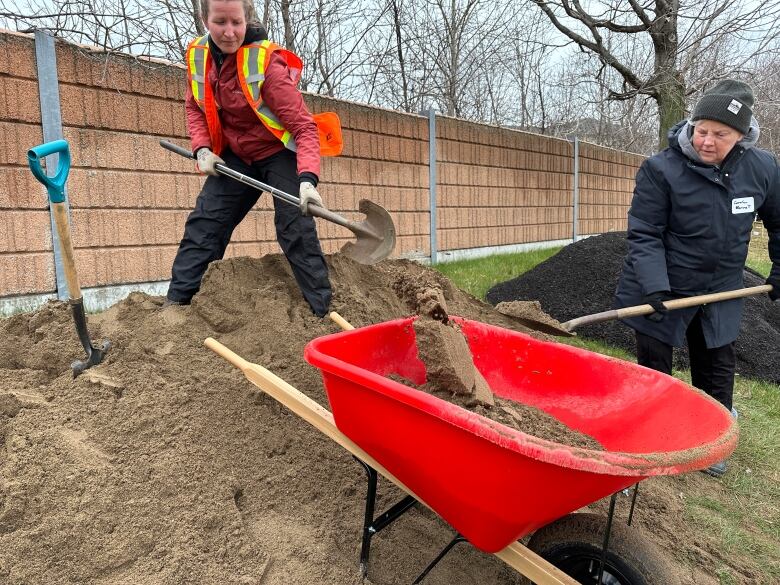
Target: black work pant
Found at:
x=221, y=206
x=712, y=370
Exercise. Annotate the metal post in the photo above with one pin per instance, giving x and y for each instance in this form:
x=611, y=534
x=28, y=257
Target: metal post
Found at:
x=576, y=203
x=51, y=122
x=432, y=178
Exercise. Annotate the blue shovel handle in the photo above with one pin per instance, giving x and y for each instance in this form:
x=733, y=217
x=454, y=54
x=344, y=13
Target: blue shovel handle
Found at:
x=54, y=185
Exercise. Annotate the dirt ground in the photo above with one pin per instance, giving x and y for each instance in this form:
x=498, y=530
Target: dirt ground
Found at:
x=163, y=465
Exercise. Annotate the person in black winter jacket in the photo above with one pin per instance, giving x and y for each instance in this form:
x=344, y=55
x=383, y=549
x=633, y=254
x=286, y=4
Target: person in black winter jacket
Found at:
x=689, y=227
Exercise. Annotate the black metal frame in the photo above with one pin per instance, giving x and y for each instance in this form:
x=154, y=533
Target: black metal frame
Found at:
x=607, y=532
x=372, y=525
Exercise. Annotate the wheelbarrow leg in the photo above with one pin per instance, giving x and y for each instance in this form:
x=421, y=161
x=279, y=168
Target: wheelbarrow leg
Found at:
x=633, y=503
x=610, y=518
x=458, y=538
x=373, y=525
x=607, y=532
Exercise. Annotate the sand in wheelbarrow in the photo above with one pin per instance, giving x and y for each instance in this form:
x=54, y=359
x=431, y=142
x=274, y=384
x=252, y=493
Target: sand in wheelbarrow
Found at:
x=581, y=280
x=452, y=375
x=164, y=465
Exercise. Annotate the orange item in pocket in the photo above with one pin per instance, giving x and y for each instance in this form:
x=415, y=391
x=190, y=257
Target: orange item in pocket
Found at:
x=329, y=127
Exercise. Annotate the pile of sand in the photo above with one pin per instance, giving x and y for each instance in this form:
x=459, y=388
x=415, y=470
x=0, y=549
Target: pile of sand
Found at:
x=164, y=465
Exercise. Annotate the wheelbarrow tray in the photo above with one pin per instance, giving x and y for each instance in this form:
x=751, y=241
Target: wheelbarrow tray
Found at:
x=495, y=484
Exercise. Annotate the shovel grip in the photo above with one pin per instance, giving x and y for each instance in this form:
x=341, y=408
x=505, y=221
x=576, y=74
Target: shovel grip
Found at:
x=226, y=353
x=60, y=212
x=55, y=185
x=340, y=321
x=181, y=151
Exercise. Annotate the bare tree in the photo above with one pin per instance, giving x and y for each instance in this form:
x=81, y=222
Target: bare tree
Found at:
x=616, y=73
x=533, y=61
x=289, y=34
x=676, y=34
x=330, y=36
x=459, y=36
x=152, y=28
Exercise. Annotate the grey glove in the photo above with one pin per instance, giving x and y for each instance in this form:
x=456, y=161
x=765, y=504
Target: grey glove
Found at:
x=207, y=160
x=308, y=194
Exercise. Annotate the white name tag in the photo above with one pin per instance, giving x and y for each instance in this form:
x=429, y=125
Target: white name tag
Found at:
x=742, y=205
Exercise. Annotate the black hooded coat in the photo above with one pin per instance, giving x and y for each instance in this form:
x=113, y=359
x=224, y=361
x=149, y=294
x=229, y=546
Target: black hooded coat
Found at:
x=689, y=226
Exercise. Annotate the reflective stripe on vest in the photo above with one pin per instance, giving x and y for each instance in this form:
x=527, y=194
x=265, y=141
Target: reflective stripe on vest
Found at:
x=198, y=63
x=251, y=63
x=197, y=53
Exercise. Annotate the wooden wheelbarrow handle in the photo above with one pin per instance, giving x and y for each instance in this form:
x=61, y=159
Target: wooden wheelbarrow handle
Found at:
x=671, y=305
x=515, y=555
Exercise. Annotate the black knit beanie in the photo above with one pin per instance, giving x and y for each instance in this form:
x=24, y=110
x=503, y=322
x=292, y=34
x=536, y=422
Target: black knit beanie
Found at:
x=730, y=102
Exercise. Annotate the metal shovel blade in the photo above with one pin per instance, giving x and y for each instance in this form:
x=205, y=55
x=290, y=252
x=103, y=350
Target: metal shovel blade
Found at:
x=95, y=354
x=375, y=235
x=531, y=315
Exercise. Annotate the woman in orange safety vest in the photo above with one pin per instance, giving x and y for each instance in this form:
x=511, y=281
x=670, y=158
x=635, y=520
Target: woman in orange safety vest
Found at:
x=244, y=110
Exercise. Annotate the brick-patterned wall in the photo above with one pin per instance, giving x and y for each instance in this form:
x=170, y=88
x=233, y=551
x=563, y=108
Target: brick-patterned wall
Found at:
x=606, y=186
x=499, y=187
x=129, y=198
x=26, y=260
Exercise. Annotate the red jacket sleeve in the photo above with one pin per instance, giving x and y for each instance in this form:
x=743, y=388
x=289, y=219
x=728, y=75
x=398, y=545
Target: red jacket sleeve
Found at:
x=196, y=123
x=284, y=99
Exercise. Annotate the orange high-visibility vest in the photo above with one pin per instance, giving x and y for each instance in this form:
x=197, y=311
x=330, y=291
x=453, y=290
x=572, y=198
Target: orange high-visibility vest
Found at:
x=251, y=63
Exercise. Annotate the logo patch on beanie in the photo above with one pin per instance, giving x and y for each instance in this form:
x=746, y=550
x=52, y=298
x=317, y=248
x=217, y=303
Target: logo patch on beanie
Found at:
x=734, y=107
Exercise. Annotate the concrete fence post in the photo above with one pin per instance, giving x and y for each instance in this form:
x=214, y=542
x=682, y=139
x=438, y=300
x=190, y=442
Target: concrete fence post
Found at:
x=576, y=194
x=51, y=122
x=431, y=113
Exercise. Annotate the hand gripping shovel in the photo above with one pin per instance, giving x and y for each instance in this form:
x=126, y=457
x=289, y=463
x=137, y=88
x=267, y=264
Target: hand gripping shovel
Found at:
x=375, y=235
x=547, y=324
x=56, y=187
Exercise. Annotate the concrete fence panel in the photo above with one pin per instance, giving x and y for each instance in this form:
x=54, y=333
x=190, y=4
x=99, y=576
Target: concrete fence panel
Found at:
x=496, y=189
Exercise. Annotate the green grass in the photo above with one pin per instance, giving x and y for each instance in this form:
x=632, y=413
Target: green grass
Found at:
x=743, y=518
x=759, y=265
x=477, y=276
x=758, y=259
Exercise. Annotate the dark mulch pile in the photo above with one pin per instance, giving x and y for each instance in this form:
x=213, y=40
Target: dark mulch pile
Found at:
x=581, y=279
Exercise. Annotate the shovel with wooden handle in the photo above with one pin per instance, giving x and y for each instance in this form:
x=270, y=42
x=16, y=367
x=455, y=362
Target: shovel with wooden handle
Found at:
x=375, y=235
x=547, y=324
x=55, y=185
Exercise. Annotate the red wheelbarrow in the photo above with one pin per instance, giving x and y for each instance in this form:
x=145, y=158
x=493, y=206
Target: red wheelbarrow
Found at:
x=491, y=483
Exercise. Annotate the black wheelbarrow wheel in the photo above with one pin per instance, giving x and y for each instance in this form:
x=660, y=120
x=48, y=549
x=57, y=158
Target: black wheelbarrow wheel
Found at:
x=573, y=544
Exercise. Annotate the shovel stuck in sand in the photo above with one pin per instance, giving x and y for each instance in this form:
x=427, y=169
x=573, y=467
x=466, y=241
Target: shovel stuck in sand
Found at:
x=375, y=235
x=55, y=185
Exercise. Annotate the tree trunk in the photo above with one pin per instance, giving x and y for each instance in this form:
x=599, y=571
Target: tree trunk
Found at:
x=197, y=17
x=671, y=107
x=289, y=35
x=667, y=81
